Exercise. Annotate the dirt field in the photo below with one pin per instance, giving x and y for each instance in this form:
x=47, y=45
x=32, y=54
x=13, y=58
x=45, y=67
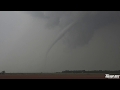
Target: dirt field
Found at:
x=52, y=76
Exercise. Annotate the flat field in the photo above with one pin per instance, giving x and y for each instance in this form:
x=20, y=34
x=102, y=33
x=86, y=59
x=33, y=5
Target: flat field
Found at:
x=53, y=76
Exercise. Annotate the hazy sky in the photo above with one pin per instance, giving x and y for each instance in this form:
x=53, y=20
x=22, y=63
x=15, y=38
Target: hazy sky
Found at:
x=92, y=43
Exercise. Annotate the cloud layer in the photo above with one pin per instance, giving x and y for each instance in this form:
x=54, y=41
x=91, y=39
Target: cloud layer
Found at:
x=88, y=22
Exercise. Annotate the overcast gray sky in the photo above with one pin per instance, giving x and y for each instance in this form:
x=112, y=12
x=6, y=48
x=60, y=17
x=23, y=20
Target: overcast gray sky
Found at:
x=92, y=43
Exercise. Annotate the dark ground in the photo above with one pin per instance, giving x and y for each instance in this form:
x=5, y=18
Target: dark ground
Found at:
x=52, y=76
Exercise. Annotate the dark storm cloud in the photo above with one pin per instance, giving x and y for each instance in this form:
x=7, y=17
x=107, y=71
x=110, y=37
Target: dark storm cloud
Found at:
x=88, y=22
x=83, y=31
x=55, y=18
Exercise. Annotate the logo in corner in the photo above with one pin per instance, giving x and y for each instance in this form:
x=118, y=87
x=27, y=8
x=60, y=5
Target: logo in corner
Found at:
x=112, y=76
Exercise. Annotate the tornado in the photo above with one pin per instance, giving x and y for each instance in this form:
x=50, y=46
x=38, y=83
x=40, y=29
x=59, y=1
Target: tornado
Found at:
x=61, y=34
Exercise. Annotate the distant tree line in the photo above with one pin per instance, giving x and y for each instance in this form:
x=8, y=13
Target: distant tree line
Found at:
x=3, y=72
x=94, y=71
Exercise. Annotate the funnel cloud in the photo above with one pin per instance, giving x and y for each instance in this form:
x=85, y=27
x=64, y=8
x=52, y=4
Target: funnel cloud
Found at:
x=60, y=36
